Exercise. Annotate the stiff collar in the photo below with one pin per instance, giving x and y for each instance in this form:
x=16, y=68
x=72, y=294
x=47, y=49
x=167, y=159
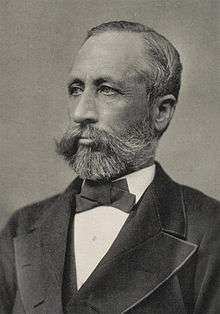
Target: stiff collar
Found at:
x=138, y=181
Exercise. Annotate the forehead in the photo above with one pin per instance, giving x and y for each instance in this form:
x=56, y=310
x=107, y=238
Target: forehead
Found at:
x=110, y=53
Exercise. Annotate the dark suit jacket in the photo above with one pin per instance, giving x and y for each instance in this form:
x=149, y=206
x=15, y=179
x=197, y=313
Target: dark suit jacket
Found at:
x=164, y=260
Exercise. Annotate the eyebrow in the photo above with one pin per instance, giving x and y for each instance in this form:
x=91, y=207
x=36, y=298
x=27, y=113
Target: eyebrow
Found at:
x=106, y=79
x=96, y=82
x=74, y=80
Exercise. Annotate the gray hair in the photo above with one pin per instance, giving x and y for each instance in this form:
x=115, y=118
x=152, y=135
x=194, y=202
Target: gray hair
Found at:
x=165, y=77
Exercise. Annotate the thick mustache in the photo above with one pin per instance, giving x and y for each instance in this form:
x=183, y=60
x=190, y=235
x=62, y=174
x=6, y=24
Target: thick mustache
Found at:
x=86, y=132
x=68, y=145
x=90, y=133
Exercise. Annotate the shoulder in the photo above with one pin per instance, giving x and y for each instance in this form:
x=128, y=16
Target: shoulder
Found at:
x=24, y=218
x=202, y=213
x=200, y=204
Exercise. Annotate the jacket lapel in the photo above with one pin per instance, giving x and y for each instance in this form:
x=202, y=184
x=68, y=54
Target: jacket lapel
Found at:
x=134, y=276
x=40, y=256
x=148, y=251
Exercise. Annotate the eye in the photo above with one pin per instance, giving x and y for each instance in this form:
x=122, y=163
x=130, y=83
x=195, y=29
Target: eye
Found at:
x=107, y=90
x=75, y=90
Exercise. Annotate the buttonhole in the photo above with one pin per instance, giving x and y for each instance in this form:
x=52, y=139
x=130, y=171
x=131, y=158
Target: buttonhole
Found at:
x=39, y=303
x=26, y=265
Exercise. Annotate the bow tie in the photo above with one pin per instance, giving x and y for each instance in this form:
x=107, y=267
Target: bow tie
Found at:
x=115, y=194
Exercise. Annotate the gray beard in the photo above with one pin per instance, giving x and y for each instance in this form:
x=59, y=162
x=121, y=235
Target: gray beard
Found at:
x=109, y=156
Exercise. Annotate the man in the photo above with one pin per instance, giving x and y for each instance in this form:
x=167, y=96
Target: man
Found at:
x=123, y=237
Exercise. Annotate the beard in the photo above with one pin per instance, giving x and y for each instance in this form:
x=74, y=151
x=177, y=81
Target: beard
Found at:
x=108, y=155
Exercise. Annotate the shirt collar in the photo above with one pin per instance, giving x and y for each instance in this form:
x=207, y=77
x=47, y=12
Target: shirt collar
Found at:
x=139, y=180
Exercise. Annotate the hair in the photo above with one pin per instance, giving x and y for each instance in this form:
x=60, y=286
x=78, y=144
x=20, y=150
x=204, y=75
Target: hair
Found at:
x=165, y=76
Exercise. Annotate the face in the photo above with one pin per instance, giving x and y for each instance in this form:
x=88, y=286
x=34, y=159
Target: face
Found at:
x=106, y=85
x=107, y=94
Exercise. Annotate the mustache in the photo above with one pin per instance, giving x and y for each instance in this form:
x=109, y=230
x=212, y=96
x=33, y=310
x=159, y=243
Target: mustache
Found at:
x=88, y=131
x=68, y=145
x=75, y=132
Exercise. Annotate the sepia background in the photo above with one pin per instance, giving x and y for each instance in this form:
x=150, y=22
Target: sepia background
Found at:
x=38, y=42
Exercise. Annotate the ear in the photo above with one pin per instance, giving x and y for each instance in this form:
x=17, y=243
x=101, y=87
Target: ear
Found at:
x=164, y=108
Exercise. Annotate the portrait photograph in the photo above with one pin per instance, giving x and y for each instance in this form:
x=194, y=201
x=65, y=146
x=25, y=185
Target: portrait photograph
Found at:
x=109, y=136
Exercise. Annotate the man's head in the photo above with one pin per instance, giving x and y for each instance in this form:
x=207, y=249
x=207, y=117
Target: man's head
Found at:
x=123, y=89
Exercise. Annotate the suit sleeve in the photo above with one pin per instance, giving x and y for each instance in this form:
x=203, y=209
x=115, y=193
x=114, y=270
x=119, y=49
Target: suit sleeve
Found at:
x=7, y=269
x=207, y=276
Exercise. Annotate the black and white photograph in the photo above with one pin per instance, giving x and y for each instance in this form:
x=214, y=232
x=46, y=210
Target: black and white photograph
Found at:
x=109, y=136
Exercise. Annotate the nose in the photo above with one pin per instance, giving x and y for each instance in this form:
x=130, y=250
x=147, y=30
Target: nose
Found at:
x=85, y=110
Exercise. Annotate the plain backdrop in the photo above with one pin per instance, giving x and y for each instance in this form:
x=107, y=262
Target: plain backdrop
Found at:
x=38, y=42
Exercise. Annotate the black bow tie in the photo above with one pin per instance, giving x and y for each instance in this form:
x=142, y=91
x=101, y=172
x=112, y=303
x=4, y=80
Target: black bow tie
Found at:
x=115, y=194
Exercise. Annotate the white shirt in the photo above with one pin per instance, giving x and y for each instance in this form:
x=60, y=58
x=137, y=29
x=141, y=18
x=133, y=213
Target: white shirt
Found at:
x=96, y=229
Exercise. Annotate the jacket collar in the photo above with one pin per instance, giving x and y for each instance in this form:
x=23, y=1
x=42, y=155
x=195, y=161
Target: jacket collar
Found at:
x=170, y=206
x=147, y=252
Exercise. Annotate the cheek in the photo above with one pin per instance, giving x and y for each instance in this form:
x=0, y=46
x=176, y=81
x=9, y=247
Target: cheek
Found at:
x=111, y=112
x=118, y=113
x=137, y=103
x=136, y=109
x=71, y=107
x=118, y=119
